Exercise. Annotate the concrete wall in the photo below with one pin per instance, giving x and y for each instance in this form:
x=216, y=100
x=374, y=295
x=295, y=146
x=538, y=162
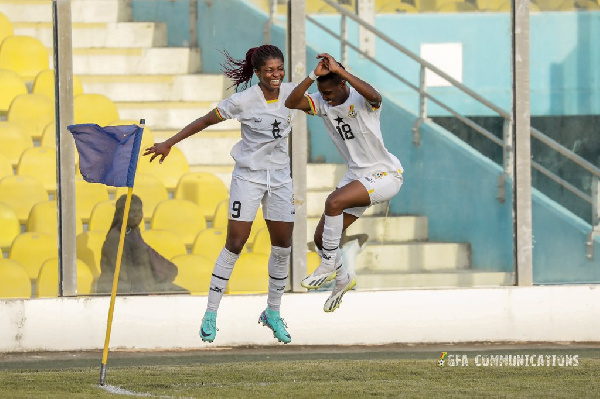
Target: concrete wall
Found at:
x=535, y=314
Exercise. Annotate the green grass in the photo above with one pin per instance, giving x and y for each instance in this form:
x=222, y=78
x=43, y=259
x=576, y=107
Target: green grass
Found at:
x=265, y=372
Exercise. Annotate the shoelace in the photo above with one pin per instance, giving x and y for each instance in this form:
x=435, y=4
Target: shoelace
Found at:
x=279, y=321
x=212, y=323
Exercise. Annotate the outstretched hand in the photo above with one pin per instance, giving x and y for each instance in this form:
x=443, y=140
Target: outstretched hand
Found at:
x=161, y=149
x=329, y=62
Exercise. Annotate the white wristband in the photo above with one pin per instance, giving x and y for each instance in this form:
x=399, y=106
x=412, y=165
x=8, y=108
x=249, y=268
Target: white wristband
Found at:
x=312, y=75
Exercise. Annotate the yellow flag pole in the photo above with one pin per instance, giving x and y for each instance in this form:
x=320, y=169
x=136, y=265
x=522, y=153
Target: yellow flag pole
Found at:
x=113, y=293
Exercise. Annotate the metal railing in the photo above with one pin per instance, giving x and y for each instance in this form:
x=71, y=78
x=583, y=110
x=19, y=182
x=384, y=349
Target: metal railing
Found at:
x=507, y=139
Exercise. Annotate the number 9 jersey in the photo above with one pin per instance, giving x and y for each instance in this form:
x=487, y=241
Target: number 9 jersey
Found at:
x=354, y=128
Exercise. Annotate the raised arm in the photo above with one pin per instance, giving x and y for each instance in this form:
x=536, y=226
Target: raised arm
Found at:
x=362, y=87
x=199, y=124
x=296, y=99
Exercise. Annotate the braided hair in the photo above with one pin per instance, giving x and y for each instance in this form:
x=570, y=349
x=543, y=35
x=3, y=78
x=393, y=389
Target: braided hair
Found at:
x=241, y=71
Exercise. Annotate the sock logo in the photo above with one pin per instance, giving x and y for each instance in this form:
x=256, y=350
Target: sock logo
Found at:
x=216, y=289
x=326, y=257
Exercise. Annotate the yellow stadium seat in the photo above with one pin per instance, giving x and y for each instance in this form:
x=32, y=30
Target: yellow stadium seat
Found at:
x=151, y=191
x=89, y=249
x=194, y=273
x=94, y=108
x=33, y=249
x=87, y=195
x=44, y=84
x=43, y=218
x=313, y=260
x=541, y=5
x=49, y=140
x=250, y=275
x=456, y=6
x=258, y=224
x=25, y=55
x=6, y=168
x=170, y=171
x=40, y=163
x=102, y=216
x=221, y=216
x=586, y=5
x=147, y=136
x=166, y=243
x=14, y=139
x=181, y=217
x=21, y=193
x=10, y=226
x=14, y=281
x=12, y=86
x=396, y=6
x=6, y=28
x=262, y=242
x=204, y=189
x=33, y=111
x=209, y=243
x=47, y=281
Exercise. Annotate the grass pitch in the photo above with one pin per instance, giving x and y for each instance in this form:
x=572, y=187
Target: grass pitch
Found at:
x=296, y=372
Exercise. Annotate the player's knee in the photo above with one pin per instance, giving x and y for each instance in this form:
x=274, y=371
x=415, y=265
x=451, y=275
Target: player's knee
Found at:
x=333, y=205
x=235, y=245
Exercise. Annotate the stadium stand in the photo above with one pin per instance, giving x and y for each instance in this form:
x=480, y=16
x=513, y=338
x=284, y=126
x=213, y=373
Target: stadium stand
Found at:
x=102, y=216
x=14, y=281
x=33, y=111
x=25, y=55
x=12, y=86
x=194, y=272
x=181, y=217
x=94, y=108
x=10, y=227
x=6, y=28
x=262, y=242
x=457, y=6
x=6, y=168
x=44, y=84
x=47, y=281
x=313, y=261
x=209, y=243
x=21, y=251
x=40, y=163
x=150, y=189
x=165, y=242
x=43, y=218
x=394, y=6
x=221, y=216
x=89, y=249
x=13, y=141
x=21, y=193
x=250, y=275
x=170, y=171
x=87, y=195
x=204, y=189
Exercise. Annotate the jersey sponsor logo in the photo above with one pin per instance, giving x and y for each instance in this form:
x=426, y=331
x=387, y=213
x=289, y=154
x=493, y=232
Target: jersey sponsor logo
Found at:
x=276, y=130
x=352, y=112
x=344, y=129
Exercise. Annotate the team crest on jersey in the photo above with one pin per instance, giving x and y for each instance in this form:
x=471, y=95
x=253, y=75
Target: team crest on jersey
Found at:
x=379, y=175
x=352, y=112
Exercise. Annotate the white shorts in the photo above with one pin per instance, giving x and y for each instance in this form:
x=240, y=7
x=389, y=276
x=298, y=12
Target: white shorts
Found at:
x=245, y=197
x=381, y=186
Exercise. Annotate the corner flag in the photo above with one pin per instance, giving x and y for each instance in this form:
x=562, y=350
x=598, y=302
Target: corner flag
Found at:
x=108, y=154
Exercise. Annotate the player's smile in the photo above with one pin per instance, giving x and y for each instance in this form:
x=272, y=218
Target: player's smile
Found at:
x=271, y=74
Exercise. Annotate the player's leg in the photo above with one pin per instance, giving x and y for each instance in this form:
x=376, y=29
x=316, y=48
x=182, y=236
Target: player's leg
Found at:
x=243, y=203
x=278, y=210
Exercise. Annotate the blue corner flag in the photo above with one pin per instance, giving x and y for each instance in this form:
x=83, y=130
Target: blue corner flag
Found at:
x=108, y=154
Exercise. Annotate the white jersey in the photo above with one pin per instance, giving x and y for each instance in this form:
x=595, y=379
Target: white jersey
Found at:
x=355, y=130
x=265, y=128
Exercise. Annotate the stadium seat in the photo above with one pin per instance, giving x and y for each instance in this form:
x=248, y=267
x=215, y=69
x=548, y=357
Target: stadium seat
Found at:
x=44, y=84
x=14, y=139
x=47, y=282
x=6, y=168
x=43, y=218
x=25, y=55
x=102, y=216
x=6, y=28
x=21, y=193
x=258, y=224
x=395, y=6
x=166, y=243
x=181, y=217
x=221, y=217
x=14, y=281
x=87, y=195
x=89, y=249
x=250, y=275
x=94, y=108
x=10, y=226
x=543, y=5
x=40, y=163
x=313, y=260
x=147, y=136
x=170, y=171
x=506, y=4
x=262, y=242
x=12, y=86
x=33, y=249
x=49, y=140
x=209, y=243
x=33, y=111
x=204, y=189
x=586, y=5
x=150, y=189
x=456, y=6
x=194, y=272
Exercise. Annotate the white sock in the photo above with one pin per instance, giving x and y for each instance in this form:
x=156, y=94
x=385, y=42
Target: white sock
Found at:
x=332, y=234
x=341, y=273
x=220, y=277
x=278, y=273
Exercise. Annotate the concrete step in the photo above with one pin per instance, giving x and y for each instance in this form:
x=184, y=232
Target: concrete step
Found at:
x=324, y=176
x=100, y=34
x=207, y=151
x=462, y=278
x=81, y=10
x=414, y=257
x=316, y=205
x=135, y=61
x=393, y=229
x=172, y=115
x=197, y=87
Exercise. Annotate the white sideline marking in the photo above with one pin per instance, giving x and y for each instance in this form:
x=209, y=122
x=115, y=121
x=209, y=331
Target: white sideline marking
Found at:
x=122, y=391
